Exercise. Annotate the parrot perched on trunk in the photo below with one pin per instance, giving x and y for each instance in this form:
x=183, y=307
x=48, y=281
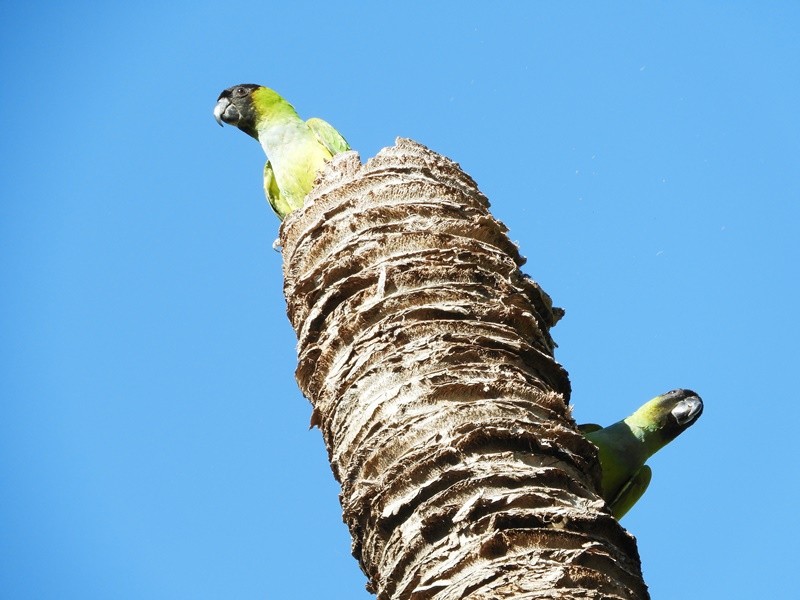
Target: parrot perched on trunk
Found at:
x=626, y=445
x=296, y=150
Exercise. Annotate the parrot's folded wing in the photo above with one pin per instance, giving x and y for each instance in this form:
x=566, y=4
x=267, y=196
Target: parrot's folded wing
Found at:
x=276, y=200
x=631, y=492
x=328, y=136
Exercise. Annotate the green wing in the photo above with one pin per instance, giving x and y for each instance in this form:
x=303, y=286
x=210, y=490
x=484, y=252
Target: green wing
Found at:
x=328, y=136
x=631, y=492
x=273, y=194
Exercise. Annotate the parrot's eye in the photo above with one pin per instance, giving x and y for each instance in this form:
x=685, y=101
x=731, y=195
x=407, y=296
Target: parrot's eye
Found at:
x=240, y=91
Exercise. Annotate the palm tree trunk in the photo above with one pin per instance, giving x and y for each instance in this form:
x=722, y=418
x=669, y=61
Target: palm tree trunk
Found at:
x=427, y=356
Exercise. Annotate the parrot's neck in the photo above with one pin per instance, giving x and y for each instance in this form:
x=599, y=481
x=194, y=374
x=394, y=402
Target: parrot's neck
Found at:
x=271, y=108
x=647, y=432
x=278, y=126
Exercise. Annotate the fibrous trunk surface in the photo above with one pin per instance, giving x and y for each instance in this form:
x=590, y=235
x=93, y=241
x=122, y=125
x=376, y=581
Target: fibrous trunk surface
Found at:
x=427, y=356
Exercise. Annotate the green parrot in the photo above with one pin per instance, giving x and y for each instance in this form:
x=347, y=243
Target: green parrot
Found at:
x=626, y=445
x=296, y=149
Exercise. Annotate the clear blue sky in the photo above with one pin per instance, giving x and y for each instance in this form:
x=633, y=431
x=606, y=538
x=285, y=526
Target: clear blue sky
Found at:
x=153, y=443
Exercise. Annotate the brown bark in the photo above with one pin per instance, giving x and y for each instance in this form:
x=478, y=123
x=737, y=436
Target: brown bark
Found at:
x=427, y=356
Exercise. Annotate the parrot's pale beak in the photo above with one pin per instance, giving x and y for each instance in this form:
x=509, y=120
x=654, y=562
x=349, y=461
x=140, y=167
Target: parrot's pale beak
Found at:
x=688, y=410
x=221, y=109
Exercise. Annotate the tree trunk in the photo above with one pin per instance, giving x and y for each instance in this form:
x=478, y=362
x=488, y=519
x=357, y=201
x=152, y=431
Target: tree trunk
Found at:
x=427, y=356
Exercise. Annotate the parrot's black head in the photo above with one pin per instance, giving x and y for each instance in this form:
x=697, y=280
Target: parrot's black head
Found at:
x=674, y=412
x=235, y=107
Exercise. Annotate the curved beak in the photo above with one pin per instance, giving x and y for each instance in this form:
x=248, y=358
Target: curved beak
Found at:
x=219, y=110
x=688, y=410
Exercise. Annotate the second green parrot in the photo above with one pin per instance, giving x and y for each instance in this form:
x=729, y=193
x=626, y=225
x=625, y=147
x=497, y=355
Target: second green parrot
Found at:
x=625, y=446
x=296, y=150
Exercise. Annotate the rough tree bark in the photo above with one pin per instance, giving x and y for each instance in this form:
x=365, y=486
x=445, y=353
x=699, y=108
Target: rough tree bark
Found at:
x=426, y=354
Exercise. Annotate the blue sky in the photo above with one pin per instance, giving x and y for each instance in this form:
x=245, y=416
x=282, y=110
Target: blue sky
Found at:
x=153, y=443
